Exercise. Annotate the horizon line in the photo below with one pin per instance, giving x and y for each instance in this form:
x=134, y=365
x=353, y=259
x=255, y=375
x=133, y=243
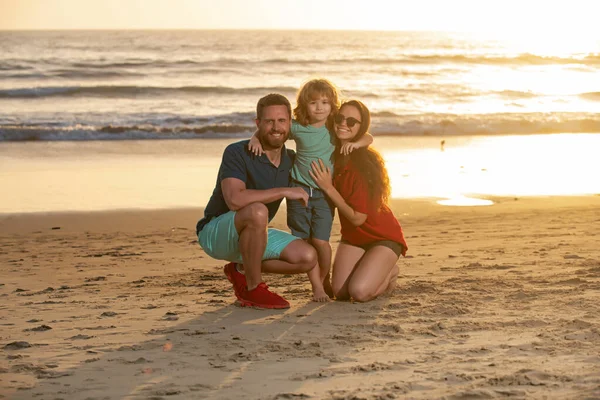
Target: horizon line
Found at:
x=236, y=29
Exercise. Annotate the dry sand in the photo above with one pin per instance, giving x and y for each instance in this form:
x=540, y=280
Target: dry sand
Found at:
x=492, y=302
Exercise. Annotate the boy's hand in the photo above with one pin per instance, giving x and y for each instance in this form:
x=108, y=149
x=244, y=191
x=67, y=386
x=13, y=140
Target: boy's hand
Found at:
x=255, y=147
x=347, y=148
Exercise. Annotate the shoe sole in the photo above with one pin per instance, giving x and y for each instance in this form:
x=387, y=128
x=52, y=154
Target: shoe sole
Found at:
x=247, y=303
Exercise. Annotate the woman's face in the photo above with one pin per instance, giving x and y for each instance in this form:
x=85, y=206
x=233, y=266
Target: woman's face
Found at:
x=347, y=123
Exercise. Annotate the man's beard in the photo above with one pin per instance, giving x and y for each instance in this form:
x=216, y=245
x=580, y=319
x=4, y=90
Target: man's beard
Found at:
x=270, y=142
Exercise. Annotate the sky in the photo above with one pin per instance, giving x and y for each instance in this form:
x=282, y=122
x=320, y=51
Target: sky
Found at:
x=440, y=15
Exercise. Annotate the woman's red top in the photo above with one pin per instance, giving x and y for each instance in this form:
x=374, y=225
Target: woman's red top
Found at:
x=380, y=224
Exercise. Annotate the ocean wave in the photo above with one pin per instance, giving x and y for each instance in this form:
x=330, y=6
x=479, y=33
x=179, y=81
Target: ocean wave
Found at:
x=434, y=59
x=141, y=64
x=178, y=130
x=384, y=123
x=494, y=124
x=72, y=74
x=120, y=132
x=592, y=59
x=133, y=91
x=454, y=93
x=516, y=94
x=591, y=96
x=520, y=59
x=14, y=67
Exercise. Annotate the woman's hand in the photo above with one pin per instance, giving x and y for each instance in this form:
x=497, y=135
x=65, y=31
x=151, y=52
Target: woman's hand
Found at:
x=321, y=175
x=254, y=146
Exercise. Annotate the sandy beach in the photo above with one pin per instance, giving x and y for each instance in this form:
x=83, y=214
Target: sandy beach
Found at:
x=113, y=122
x=492, y=302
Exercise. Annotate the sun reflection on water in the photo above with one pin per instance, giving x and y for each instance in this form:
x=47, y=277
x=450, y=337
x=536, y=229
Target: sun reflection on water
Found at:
x=535, y=165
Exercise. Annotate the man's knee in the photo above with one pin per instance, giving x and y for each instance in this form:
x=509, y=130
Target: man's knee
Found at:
x=255, y=215
x=301, y=254
x=308, y=258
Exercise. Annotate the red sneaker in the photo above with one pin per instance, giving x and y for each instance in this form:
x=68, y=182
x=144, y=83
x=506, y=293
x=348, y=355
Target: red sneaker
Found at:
x=262, y=297
x=236, y=278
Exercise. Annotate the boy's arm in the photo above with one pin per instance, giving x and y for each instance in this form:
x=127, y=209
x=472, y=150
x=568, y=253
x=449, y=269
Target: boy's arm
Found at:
x=364, y=141
x=254, y=146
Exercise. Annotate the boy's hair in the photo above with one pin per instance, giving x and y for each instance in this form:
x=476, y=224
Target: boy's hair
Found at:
x=314, y=89
x=273, y=99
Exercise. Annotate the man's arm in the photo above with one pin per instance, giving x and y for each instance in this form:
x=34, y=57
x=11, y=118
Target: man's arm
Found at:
x=237, y=196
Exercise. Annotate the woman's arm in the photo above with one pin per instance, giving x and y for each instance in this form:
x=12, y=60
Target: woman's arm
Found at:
x=322, y=177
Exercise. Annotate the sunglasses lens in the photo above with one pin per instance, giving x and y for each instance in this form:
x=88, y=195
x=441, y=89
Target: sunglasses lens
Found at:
x=350, y=122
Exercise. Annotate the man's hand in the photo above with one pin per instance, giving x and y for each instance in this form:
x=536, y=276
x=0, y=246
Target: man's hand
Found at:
x=297, y=193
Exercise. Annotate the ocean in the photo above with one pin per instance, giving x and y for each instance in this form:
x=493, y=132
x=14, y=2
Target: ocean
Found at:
x=111, y=85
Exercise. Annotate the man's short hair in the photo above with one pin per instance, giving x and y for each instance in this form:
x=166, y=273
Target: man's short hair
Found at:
x=273, y=99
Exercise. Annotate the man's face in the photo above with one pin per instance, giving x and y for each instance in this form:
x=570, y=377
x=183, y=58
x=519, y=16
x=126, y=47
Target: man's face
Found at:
x=273, y=127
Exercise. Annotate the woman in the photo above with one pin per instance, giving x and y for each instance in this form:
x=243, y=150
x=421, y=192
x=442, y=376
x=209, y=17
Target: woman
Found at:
x=372, y=239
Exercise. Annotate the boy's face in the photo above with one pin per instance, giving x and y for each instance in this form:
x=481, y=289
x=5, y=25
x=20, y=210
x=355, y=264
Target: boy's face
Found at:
x=318, y=109
x=273, y=127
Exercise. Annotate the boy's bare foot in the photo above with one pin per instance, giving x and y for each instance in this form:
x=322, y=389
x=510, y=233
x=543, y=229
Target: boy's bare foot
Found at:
x=320, y=296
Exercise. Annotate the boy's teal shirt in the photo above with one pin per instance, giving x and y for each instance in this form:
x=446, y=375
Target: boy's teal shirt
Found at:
x=312, y=144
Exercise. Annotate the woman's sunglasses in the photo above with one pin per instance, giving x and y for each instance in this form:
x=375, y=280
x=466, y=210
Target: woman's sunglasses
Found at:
x=350, y=122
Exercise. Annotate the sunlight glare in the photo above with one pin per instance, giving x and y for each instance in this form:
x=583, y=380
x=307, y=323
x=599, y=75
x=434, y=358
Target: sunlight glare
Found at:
x=465, y=201
x=536, y=165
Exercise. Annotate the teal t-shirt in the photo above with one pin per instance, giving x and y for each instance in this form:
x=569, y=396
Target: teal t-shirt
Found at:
x=312, y=144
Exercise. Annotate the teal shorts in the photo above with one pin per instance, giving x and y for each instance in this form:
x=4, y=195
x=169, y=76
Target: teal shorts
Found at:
x=219, y=239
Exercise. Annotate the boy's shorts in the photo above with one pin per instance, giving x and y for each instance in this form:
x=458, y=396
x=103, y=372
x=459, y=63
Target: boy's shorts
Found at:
x=219, y=239
x=314, y=221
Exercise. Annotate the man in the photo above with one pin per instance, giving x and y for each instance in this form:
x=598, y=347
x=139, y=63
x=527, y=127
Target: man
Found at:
x=247, y=195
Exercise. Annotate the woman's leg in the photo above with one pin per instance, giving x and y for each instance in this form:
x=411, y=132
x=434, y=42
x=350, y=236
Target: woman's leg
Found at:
x=390, y=283
x=373, y=273
x=346, y=259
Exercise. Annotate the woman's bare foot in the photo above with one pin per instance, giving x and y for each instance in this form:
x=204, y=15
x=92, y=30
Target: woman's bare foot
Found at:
x=393, y=281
